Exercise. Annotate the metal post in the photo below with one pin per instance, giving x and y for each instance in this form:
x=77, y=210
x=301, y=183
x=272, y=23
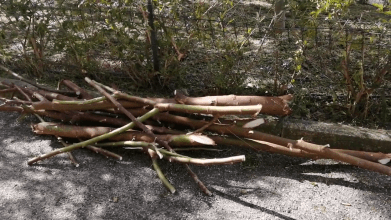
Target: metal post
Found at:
x=154, y=43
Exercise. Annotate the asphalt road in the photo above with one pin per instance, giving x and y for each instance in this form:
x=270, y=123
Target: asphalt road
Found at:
x=266, y=186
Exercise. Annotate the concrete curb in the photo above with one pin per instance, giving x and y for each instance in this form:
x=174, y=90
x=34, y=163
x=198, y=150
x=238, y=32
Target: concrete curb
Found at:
x=336, y=135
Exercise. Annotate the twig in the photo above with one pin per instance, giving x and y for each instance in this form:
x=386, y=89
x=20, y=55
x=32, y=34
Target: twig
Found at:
x=34, y=84
x=70, y=155
x=197, y=148
x=207, y=162
x=16, y=101
x=77, y=102
x=124, y=143
x=198, y=181
x=79, y=91
x=23, y=93
x=5, y=91
x=159, y=172
x=215, y=118
x=104, y=152
x=108, y=88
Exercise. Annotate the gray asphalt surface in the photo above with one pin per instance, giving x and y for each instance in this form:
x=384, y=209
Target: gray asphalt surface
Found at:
x=266, y=186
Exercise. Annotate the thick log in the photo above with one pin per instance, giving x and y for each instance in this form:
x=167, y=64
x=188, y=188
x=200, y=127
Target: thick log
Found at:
x=52, y=95
x=93, y=140
x=330, y=153
x=87, y=132
x=95, y=106
x=214, y=110
x=270, y=105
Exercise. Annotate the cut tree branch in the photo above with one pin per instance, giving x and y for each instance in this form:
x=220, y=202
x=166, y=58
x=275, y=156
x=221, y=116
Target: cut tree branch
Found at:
x=92, y=140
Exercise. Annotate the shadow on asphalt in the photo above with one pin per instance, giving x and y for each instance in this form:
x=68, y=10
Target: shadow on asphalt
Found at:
x=261, y=188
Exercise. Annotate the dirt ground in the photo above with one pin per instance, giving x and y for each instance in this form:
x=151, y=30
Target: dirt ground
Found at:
x=266, y=186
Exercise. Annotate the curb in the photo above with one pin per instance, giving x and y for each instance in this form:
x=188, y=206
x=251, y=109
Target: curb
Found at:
x=336, y=135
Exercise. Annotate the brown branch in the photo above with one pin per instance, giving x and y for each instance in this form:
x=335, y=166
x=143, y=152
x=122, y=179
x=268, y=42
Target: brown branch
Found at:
x=86, y=107
x=70, y=155
x=52, y=95
x=36, y=95
x=160, y=174
x=330, y=153
x=214, y=110
x=230, y=100
x=93, y=140
x=72, y=131
x=34, y=84
x=146, y=101
x=371, y=156
x=198, y=181
x=104, y=152
x=6, y=91
x=270, y=105
x=207, y=162
x=7, y=108
x=215, y=118
x=16, y=101
x=237, y=131
x=23, y=93
x=181, y=56
x=83, y=94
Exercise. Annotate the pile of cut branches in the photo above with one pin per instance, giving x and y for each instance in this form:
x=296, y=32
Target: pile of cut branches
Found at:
x=119, y=119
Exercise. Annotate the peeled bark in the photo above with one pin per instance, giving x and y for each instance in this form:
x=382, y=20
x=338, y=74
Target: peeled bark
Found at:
x=207, y=162
x=233, y=100
x=330, y=153
x=214, y=110
x=371, y=156
x=256, y=135
x=52, y=95
x=270, y=105
x=190, y=140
